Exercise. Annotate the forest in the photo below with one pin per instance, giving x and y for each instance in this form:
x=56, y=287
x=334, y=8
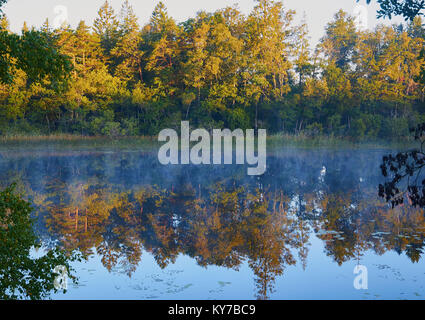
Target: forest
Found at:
x=222, y=69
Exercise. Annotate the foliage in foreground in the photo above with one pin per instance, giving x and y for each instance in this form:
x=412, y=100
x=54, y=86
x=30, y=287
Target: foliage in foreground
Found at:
x=404, y=172
x=21, y=276
x=409, y=9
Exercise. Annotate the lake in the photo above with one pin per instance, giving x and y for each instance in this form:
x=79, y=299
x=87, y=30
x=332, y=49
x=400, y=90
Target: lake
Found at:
x=150, y=231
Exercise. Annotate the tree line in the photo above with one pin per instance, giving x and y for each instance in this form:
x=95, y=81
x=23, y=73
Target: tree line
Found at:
x=219, y=69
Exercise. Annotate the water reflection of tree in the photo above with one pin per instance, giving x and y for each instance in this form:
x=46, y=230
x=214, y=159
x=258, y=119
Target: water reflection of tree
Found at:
x=225, y=220
x=225, y=225
x=349, y=230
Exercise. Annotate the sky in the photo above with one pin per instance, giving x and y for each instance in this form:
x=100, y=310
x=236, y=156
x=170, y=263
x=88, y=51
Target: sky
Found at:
x=317, y=12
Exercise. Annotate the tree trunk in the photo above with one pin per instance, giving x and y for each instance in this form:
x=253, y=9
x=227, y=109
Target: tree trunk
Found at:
x=140, y=72
x=256, y=117
x=48, y=122
x=187, y=111
x=76, y=219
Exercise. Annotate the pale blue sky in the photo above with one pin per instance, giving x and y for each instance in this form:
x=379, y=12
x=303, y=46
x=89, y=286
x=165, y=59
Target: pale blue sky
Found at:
x=34, y=12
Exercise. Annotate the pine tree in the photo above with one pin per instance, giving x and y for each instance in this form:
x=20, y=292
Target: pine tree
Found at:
x=416, y=28
x=106, y=27
x=160, y=23
x=303, y=63
x=128, y=20
x=83, y=47
x=339, y=41
x=127, y=51
x=268, y=32
x=45, y=28
x=162, y=48
x=25, y=27
x=4, y=23
x=195, y=72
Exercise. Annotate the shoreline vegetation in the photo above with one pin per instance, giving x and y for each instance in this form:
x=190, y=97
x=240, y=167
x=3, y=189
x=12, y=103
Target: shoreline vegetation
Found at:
x=150, y=143
x=221, y=69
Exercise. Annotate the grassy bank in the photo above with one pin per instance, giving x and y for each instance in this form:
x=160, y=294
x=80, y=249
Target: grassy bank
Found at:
x=330, y=141
x=75, y=142
x=63, y=141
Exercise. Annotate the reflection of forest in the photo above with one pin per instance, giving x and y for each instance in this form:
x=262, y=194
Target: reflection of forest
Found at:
x=224, y=221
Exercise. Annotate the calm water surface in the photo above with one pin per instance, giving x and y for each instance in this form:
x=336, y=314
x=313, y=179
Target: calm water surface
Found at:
x=200, y=232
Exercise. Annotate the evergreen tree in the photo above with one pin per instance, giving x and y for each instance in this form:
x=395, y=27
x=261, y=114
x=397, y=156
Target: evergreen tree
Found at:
x=127, y=52
x=339, y=41
x=106, y=27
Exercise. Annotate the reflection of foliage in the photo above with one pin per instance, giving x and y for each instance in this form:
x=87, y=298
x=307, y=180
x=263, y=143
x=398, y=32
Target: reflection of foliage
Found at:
x=270, y=242
x=228, y=222
x=338, y=219
x=20, y=275
x=349, y=230
x=405, y=168
x=224, y=228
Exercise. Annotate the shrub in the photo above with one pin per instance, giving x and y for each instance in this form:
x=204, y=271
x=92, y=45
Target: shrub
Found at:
x=112, y=129
x=358, y=129
x=314, y=129
x=394, y=128
x=131, y=127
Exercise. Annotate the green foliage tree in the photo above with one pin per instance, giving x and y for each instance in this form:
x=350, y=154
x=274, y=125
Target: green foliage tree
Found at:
x=33, y=52
x=21, y=276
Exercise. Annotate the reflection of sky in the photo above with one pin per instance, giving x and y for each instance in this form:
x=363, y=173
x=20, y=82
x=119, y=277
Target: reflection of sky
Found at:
x=181, y=280
x=324, y=279
x=390, y=277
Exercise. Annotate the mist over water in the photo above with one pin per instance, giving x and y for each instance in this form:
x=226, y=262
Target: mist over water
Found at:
x=213, y=232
